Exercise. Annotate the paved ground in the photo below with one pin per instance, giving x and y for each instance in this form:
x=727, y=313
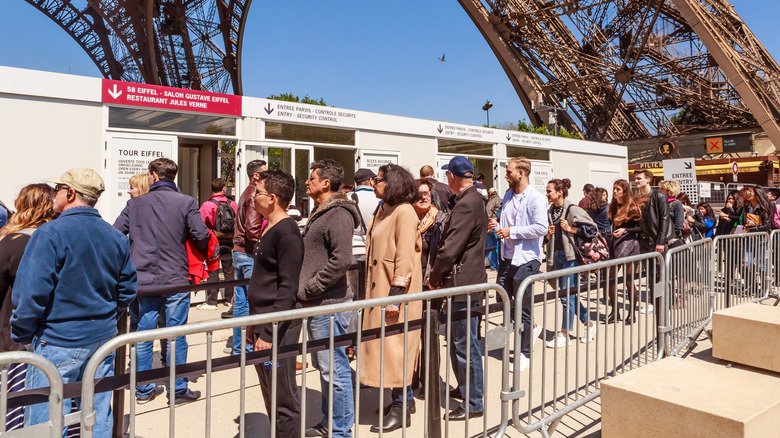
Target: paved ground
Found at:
x=152, y=419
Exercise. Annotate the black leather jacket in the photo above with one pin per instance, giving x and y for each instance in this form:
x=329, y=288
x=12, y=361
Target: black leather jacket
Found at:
x=656, y=219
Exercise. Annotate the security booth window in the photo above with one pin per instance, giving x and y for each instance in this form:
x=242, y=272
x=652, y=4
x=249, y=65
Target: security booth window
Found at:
x=459, y=147
x=529, y=153
x=134, y=118
x=309, y=134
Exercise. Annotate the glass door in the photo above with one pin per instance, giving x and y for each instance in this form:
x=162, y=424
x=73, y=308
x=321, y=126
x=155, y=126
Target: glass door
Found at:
x=294, y=160
x=302, y=160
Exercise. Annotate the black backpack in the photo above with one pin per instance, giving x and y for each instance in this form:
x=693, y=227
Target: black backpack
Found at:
x=224, y=219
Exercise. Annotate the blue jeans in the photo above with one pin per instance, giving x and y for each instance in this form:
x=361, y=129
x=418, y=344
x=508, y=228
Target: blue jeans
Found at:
x=343, y=396
x=492, y=242
x=472, y=364
x=244, y=264
x=176, y=308
x=569, y=302
x=70, y=362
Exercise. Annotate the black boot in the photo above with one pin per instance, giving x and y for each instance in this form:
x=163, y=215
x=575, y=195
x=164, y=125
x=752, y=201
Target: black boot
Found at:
x=631, y=317
x=611, y=318
x=393, y=419
x=410, y=404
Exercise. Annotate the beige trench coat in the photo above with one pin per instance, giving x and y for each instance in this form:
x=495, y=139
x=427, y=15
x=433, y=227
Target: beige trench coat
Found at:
x=393, y=249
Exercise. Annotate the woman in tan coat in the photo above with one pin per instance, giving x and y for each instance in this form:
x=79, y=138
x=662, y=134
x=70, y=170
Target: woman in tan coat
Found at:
x=393, y=252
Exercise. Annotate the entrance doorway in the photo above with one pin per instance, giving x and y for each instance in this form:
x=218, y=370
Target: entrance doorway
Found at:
x=197, y=163
x=345, y=157
x=481, y=165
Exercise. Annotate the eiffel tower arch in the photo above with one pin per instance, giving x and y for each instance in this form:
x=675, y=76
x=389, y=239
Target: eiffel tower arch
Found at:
x=628, y=67
x=193, y=44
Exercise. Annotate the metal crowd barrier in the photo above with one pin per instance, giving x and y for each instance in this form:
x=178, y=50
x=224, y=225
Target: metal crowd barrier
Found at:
x=742, y=269
x=715, y=193
x=52, y=428
x=570, y=375
x=690, y=293
x=132, y=339
x=685, y=286
x=774, y=242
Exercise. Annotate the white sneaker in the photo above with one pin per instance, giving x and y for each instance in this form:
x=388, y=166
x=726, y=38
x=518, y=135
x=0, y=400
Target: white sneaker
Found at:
x=590, y=334
x=560, y=340
x=206, y=306
x=646, y=309
x=536, y=332
x=524, y=364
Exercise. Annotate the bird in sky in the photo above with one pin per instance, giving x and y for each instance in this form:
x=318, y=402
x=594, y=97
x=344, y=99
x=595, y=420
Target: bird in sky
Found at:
x=442, y=59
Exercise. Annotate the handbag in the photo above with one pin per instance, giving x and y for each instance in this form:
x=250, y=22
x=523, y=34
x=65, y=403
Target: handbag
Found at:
x=593, y=250
x=754, y=218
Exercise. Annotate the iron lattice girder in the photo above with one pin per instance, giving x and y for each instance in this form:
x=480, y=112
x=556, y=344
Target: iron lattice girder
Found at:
x=181, y=43
x=626, y=65
x=85, y=27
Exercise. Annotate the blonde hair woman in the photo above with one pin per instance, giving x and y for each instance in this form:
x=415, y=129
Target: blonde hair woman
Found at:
x=35, y=207
x=139, y=185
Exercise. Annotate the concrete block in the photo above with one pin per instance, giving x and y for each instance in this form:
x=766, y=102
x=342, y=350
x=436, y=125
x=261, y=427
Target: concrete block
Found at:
x=748, y=334
x=690, y=398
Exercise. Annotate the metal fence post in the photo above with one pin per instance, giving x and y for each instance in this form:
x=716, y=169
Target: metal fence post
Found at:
x=53, y=428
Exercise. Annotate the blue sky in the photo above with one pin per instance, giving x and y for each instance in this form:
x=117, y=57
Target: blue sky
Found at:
x=367, y=55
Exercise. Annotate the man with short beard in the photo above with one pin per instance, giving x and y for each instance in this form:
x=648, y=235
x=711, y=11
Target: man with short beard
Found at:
x=327, y=240
x=521, y=229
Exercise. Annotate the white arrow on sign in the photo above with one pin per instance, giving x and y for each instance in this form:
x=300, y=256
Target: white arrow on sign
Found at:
x=114, y=93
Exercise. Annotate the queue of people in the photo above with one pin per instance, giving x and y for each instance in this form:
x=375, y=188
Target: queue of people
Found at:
x=407, y=234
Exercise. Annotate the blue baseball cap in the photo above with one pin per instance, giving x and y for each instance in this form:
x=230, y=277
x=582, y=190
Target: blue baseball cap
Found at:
x=460, y=166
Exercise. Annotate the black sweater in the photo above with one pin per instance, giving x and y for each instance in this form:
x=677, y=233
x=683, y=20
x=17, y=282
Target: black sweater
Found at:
x=278, y=257
x=11, y=251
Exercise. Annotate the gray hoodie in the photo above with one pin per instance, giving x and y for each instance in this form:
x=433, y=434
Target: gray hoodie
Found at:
x=327, y=241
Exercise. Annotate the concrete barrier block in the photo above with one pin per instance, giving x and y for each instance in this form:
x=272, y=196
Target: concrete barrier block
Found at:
x=690, y=398
x=748, y=334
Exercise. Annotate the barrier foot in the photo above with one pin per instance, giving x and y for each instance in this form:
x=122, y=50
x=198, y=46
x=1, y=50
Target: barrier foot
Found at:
x=433, y=399
x=551, y=428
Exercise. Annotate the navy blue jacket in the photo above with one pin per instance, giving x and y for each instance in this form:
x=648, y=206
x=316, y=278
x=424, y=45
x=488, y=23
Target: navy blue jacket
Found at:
x=75, y=277
x=158, y=224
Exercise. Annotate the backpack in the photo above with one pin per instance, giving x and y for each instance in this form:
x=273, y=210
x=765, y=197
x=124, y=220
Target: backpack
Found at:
x=224, y=219
x=8, y=214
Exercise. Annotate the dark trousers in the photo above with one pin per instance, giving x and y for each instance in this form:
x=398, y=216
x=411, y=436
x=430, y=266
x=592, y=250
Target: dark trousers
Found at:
x=288, y=396
x=226, y=259
x=510, y=277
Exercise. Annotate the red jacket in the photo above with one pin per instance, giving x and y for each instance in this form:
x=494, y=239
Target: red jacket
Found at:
x=200, y=265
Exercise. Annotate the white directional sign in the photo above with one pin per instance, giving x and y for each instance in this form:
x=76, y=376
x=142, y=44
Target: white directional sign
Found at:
x=683, y=170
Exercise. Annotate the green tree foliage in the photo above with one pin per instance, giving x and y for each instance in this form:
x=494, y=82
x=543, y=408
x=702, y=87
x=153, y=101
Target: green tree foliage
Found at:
x=563, y=132
x=526, y=126
x=228, y=163
x=688, y=116
x=289, y=97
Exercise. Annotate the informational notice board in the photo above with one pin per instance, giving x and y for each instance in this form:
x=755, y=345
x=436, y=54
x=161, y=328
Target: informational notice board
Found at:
x=541, y=174
x=130, y=155
x=683, y=171
x=375, y=160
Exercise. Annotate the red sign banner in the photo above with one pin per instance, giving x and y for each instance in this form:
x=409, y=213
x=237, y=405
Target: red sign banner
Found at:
x=179, y=99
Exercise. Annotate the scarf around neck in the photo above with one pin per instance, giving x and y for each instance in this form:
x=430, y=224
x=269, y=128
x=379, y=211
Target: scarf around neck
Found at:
x=427, y=220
